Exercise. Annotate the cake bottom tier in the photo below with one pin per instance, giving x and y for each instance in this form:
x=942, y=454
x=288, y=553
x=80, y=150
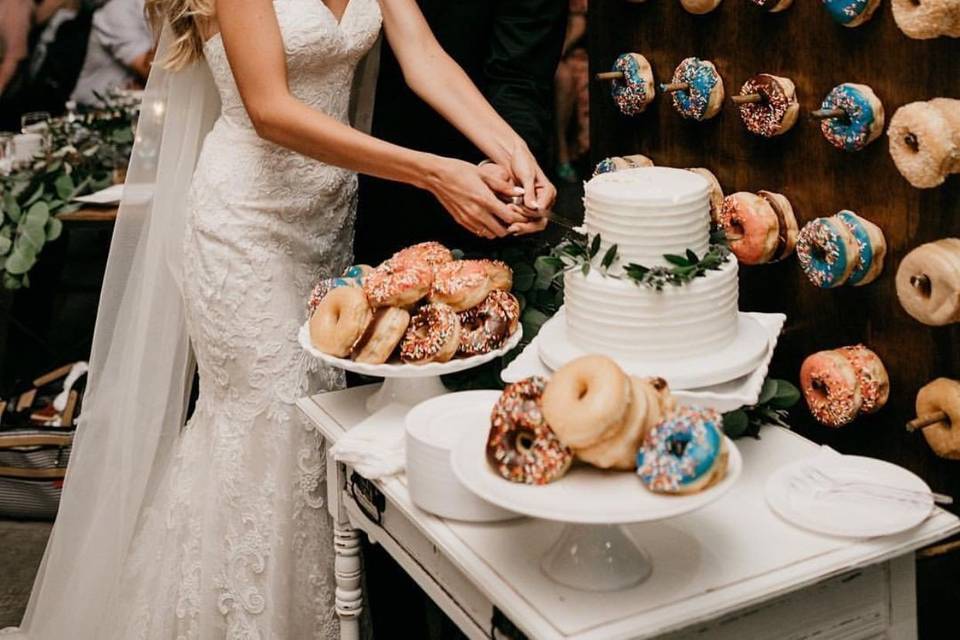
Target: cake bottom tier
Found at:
x=619, y=318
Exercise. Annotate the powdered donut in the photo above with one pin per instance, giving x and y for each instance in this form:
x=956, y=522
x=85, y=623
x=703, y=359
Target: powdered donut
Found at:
x=773, y=6
x=521, y=446
x=401, y=284
x=433, y=335
x=699, y=7
x=871, y=248
x=462, y=284
x=863, y=119
x=382, y=336
x=685, y=453
x=827, y=252
x=586, y=400
x=872, y=378
x=777, y=110
x=340, y=321
x=928, y=282
x=716, y=193
x=925, y=19
x=943, y=437
x=703, y=97
x=830, y=387
x=925, y=141
x=851, y=13
x=634, y=91
x=626, y=162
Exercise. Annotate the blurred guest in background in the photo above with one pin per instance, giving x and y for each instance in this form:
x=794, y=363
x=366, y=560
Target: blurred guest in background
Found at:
x=572, y=95
x=119, y=52
x=16, y=18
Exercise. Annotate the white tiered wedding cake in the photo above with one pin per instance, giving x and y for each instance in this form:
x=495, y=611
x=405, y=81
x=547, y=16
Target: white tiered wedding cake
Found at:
x=647, y=213
x=690, y=332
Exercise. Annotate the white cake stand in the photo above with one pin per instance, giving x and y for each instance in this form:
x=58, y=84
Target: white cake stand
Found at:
x=594, y=552
x=737, y=359
x=406, y=384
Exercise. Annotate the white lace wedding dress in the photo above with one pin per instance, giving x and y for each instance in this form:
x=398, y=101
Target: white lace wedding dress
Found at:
x=238, y=543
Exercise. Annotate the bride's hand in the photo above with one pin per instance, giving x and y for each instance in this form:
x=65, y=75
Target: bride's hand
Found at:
x=501, y=182
x=539, y=193
x=461, y=189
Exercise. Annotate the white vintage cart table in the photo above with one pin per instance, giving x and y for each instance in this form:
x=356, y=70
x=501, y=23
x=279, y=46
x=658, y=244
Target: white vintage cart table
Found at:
x=730, y=570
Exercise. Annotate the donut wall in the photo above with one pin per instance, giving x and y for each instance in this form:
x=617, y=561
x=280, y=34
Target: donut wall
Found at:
x=807, y=45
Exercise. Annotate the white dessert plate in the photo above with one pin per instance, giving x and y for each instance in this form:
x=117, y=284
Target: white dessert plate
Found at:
x=727, y=396
x=584, y=496
x=850, y=511
x=402, y=370
x=739, y=358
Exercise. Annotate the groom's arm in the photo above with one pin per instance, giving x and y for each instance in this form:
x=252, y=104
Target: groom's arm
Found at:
x=525, y=48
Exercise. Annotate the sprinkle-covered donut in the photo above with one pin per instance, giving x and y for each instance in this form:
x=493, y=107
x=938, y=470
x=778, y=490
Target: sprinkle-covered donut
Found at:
x=521, y=446
x=398, y=285
x=635, y=90
x=925, y=141
x=760, y=228
x=851, y=13
x=462, y=284
x=351, y=277
x=433, y=335
x=586, y=400
x=924, y=19
x=827, y=252
x=684, y=453
x=501, y=275
x=862, y=121
x=429, y=253
x=872, y=378
x=928, y=282
x=829, y=384
x=703, y=96
x=776, y=111
x=773, y=6
x=871, y=248
x=488, y=325
x=339, y=321
x=608, y=165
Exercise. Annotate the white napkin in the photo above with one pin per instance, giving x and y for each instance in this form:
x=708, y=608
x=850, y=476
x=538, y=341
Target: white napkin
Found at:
x=375, y=448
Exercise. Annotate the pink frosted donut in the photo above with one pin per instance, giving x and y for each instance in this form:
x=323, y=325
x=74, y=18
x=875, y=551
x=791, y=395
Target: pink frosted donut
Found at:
x=760, y=228
x=872, y=377
x=462, y=284
x=402, y=285
x=429, y=253
x=830, y=386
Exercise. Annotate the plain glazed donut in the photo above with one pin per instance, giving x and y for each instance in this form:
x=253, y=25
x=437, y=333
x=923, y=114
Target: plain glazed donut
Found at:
x=871, y=248
x=777, y=110
x=685, y=453
x=429, y=253
x=616, y=163
x=872, y=378
x=521, y=446
x=830, y=387
x=925, y=141
x=862, y=122
x=433, y=335
x=703, y=96
x=925, y=19
x=943, y=437
x=699, y=7
x=716, y=193
x=400, y=285
x=773, y=6
x=827, y=252
x=851, y=13
x=634, y=91
x=760, y=228
x=340, y=321
x=488, y=325
x=619, y=449
x=462, y=284
x=382, y=336
x=586, y=400
x=928, y=282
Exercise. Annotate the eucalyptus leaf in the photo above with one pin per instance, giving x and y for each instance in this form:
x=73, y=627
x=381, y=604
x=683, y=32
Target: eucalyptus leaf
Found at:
x=787, y=395
x=19, y=262
x=19, y=187
x=523, y=277
x=64, y=186
x=595, y=246
x=53, y=229
x=768, y=391
x=11, y=282
x=11, y=208
x=679, y=261
x=692, y=257
x=34, y=197
x=546, y=268
x=735, y=423
x=609, y=257
x=37, y=215
x=5, y=245
x=37, y=237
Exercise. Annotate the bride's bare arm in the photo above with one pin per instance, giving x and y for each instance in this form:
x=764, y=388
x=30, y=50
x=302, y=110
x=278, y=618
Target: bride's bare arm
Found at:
x=441, y=82
x=254, y=47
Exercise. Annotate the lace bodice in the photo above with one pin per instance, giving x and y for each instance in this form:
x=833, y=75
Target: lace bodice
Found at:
x=322, y=55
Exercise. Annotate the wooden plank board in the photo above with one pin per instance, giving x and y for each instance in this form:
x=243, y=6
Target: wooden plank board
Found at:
x=90, y=214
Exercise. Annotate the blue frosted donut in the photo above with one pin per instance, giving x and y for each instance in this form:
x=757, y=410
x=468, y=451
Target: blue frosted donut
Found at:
x=826, y=249
x=850, y=12
x=701, y=77
x=351, y=277
x=864, y=260
x=861, y=122
x=633, y=92
x=680, y=453
x=605, y=166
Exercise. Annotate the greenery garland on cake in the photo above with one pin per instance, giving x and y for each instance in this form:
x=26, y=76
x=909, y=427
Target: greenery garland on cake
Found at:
x=83, y=151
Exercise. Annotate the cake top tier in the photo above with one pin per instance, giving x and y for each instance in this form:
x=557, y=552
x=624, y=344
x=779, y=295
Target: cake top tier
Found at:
x=649, y=212
x=656, y=186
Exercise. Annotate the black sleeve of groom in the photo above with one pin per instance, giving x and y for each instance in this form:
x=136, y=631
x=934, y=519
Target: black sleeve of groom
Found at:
x=524, y=51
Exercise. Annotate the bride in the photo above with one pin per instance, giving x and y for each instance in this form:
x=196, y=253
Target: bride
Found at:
x=244, y=151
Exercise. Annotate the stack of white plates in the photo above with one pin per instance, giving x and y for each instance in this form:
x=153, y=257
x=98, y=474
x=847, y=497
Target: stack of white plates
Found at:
x=433, y=431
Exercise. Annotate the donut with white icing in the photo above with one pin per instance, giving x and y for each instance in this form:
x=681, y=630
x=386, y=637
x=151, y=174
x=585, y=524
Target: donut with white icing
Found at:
x=928, y=282
x=862, y=119
x=851, y=13
x=925, y=141
x=925, y=19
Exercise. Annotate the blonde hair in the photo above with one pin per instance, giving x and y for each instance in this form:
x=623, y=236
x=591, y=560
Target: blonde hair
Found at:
x=187, y=19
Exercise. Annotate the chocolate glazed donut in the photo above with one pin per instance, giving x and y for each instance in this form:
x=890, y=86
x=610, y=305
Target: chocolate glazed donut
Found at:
x=776, y=111
x=773, y=6
x=787, y=224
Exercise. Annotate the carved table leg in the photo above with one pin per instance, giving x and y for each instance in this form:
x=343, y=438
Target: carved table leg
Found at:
x=349, y=596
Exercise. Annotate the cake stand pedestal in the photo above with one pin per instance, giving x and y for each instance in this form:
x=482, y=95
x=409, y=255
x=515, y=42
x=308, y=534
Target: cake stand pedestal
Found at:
x=594, y=552
x=406, y=384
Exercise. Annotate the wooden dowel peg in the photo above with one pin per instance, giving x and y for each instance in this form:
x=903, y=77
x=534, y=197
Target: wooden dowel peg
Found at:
x=921, y=283
x=674, y=86
x=609, y=75
x=911, y=141
x=747, y=98
x=823, y=114
x=922, y=422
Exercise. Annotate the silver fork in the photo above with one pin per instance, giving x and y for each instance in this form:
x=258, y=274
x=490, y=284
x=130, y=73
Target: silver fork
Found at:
x=818, y=480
